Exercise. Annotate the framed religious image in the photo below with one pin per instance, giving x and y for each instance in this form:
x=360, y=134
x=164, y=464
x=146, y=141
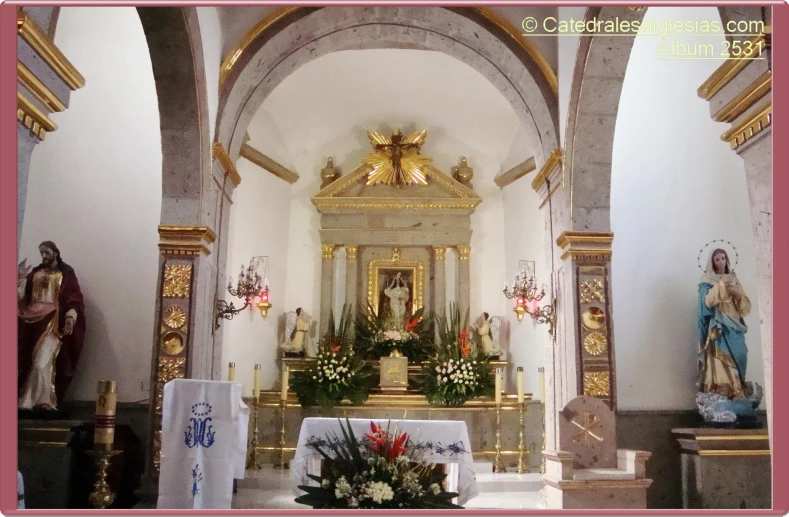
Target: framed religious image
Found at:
x=395, y=287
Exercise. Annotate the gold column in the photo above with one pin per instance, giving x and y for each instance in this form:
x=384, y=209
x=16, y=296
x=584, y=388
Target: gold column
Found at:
x=464, y=279
x=327, y=284
x=351, y=277
x=180, y=248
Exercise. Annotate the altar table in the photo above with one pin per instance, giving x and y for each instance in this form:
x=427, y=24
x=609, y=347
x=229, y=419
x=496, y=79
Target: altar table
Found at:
x=441, y=442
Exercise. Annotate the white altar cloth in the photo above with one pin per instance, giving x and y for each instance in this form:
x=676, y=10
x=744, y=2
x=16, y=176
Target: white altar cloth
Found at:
x=204, y=443
x=441, y=442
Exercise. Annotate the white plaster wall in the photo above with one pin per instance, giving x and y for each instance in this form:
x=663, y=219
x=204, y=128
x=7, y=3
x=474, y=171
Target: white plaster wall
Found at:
x=524, y=237
x=675, y=186
x=211, y=36
x=258, y=226
x=95, y=190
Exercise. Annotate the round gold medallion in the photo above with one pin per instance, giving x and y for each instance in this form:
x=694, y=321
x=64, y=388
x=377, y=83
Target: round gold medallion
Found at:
x=172, y=343
x=174, y=317
x=595, y=343
x=593, y=318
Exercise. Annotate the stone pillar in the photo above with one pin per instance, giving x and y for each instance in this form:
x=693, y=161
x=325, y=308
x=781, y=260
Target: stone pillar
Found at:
x=440, y=280
x=352, y=278
x=740, y=93
x=464, y=279
x=179, y=316
x=327, y=285
x=579, y=356
x=45, y=80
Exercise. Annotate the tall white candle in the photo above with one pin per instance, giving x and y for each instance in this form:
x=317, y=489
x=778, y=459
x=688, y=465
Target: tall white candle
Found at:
x=541, y=371
x=285, y=375
x=256, y=383
x=498, y=386
x=231, y=372
x=520, y=385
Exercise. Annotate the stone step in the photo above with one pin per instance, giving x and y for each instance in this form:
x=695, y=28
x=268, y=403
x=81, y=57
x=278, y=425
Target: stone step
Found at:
x=483, y=467
x=510, y=482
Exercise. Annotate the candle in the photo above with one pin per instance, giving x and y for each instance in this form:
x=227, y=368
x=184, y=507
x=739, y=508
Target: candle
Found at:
x=104, y=425
x=284, y=393
x=256, y=383
x=541, y=371
x=520, y=385
x=231, y=372
x=498, y=386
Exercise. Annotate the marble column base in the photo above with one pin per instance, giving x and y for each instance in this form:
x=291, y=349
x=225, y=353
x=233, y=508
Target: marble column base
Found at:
x=725, y=468
x=603, y=488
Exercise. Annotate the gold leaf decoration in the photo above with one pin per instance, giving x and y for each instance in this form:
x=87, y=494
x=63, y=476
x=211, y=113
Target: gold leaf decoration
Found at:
x=595, y=343
x=597, y=384
x=177, y=279
x=592, y=290
x=396, y=160
x=172, y=343
x=593, y=318
x=174, y=317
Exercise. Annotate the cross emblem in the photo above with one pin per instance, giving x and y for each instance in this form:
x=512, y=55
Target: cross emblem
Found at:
x=590, y=422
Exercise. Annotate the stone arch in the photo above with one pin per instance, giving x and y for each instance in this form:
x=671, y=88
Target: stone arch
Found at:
x=471, y=36
x=174, y=43
x=598, y=76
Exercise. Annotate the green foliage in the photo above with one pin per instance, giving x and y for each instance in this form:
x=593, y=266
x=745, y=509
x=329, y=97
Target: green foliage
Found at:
x=338, y=373
x=379, y=471
x=458, y=370
x=375, y=340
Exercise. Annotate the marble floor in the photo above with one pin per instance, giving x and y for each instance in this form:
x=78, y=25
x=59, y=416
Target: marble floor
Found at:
x=273, y=489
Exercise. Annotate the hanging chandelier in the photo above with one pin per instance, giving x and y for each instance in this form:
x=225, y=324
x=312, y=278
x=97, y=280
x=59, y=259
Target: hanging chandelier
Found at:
x=251, y=284
x=528, y=296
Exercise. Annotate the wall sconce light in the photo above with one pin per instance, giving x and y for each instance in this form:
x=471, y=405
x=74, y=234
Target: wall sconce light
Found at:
x=250, y=285
x=527, y=297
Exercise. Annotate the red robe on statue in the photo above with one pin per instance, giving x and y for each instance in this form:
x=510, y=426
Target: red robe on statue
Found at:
x=50, y=294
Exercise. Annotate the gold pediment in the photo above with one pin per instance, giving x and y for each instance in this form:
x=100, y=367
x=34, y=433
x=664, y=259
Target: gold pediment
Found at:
x=350, y=192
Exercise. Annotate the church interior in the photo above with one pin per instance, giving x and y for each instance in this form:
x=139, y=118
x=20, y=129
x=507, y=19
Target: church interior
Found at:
x=516, y=263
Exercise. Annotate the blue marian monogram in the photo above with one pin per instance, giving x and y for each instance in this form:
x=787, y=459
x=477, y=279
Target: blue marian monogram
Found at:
x=200, y=433
x=197, y=477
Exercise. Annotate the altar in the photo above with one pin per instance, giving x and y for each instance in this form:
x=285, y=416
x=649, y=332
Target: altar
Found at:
x=444, y=442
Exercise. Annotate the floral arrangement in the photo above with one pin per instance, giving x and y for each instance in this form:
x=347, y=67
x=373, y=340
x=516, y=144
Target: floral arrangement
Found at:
x=375, y=339
x=459, y=369
x=381, y=471
x=337, y=373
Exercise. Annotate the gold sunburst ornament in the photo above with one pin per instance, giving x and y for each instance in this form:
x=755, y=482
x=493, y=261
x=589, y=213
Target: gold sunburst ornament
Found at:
x=396, y=160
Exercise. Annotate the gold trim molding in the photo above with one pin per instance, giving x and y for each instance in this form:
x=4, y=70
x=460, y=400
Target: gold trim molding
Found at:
x=745, y=99
x=32, y=117
x=351, y=252
x=49, y=53
x=220, y=154
x=185, y=240
x=440, y=252
x=464, y=252
x=598, y=484
x=569, y=238
x=327, y=251
x=555, y=159
x=732, y=66
x=731, y=452
x=750, y=127
x=38, y=89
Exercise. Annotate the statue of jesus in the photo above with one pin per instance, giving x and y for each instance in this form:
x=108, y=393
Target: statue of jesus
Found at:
x=397, y=292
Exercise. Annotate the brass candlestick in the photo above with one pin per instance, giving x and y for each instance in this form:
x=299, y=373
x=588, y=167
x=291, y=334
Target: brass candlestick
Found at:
x=542, y=462
x=252, y=459
x=523, y=452
x=282, y=464
x=497, y=466
x=102, y=495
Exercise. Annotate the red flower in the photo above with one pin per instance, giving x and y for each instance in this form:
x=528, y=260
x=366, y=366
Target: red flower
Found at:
x=465, y=349
x=412, y=324
x=335, y=345
x=463, y=336
x=398, y=447
x=378, y=437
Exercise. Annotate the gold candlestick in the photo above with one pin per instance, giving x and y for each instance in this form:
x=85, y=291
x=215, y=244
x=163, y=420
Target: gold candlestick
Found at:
x=282, y=464
x=523, y=452
x=252, y=460
x=542, y=462
x=497, y=466
x=102, y=495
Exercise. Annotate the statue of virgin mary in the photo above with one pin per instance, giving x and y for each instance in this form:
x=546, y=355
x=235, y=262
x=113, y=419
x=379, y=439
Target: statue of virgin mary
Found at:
x=724, y=396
